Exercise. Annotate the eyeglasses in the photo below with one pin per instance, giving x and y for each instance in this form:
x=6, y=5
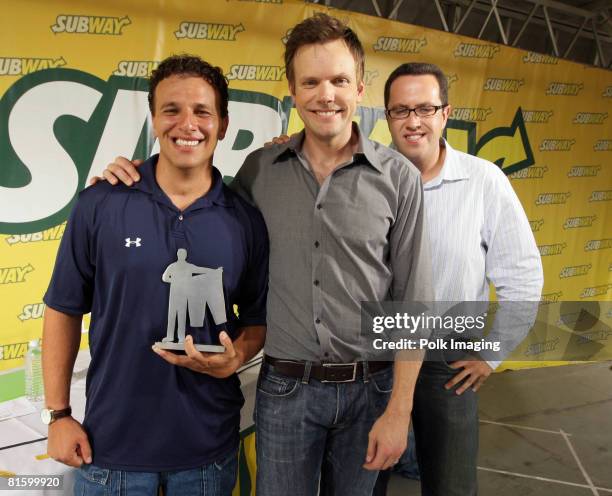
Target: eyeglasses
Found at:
x=422, y=111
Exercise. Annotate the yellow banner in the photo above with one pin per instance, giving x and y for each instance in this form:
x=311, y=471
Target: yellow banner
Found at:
x=74, y=97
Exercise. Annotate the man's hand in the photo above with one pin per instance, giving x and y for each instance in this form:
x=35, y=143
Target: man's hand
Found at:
x=68, y=442
x=474, y=375
x=219, y=365
x=120, y=170
x=387, y=441
x=279, y=140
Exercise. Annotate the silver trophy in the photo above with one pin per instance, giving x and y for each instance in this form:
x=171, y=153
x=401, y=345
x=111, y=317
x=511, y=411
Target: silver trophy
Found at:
x=192, y=288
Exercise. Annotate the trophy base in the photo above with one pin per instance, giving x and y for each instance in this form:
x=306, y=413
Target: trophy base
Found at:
x=206, y=348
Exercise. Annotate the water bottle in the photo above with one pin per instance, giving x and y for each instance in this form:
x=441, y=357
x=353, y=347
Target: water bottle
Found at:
x=33, y=372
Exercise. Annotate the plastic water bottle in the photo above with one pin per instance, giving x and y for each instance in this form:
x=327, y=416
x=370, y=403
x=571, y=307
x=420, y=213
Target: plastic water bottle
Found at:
x=33, y=372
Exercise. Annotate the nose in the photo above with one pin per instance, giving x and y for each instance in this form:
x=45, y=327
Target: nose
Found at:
x=187, y=120
x=326, y=92
x=413, y=121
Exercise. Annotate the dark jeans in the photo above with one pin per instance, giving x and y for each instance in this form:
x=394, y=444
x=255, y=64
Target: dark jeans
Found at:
x=216, y=479
x=446, y=435
x=316, y=433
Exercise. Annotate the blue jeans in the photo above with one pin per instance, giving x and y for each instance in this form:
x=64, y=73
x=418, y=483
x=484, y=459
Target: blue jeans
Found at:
x=445, y=434
x=446, y=431
x=408, y=466
x=311, y=434
x=216, y=479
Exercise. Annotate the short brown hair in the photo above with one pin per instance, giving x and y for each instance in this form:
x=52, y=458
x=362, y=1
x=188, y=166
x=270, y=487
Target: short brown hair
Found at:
x=418, y=69
x=190, y=65
x=322, y=28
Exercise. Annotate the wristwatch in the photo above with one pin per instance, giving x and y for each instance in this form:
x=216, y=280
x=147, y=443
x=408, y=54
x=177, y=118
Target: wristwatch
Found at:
x=49, y=416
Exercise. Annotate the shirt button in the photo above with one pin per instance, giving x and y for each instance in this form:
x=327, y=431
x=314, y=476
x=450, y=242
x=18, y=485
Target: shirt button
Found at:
x=316, y=244
x=317, y=321
x=181, y=217
x=319, y=206
x=316, y=282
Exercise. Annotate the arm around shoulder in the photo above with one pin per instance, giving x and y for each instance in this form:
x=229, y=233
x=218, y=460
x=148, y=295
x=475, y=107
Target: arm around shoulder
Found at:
x=247, y=175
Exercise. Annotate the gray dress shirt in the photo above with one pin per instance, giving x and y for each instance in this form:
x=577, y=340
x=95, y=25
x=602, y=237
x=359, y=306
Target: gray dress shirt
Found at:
x=357, y=237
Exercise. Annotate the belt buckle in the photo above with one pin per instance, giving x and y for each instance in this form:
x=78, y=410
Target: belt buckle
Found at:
x=332, y=365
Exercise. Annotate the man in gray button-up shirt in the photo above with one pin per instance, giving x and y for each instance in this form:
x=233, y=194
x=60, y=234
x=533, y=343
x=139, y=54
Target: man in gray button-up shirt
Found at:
x=345, y=220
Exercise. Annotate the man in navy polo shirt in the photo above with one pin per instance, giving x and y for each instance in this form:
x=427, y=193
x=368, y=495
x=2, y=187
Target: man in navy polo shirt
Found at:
x=148, y=422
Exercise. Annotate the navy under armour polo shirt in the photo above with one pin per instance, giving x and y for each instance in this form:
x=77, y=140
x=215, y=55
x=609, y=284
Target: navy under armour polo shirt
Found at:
x=142, y=413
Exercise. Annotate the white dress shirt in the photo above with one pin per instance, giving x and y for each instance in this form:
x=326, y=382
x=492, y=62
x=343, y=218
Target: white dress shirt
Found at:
x=479, y=234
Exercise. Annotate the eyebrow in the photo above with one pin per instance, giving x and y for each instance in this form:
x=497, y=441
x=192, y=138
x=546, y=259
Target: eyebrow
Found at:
x=197, y=105
x=424, y=104
x=335, y=76
x=167, y=104
x=203, y=105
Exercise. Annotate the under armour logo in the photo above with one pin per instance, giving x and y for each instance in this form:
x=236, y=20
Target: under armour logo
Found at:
x=129, y=242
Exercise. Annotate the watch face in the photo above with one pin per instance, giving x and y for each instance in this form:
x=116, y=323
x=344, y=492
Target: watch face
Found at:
x=45, y=416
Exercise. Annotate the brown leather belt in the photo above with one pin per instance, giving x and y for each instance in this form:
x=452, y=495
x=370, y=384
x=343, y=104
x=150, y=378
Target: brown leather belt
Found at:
x=326, y=372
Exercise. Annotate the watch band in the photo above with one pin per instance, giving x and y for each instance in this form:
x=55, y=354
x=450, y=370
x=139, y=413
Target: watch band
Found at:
x=58, y=414
x=49, y=416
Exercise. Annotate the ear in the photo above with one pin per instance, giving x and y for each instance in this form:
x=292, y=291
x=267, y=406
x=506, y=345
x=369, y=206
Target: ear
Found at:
x=360, y=91
x=223, y=127
x=446, y=112
x=152, y=125
x=292, y=90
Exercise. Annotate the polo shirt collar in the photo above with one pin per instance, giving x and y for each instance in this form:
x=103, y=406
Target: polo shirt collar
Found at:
x=365, y=148
x=216, y=195
x=452, y=169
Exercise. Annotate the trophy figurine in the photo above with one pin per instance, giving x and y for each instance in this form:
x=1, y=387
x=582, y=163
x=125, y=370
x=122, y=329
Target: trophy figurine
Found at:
x=192, y=288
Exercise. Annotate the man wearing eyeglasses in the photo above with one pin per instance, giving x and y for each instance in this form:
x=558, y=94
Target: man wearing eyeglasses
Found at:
x=479, y=234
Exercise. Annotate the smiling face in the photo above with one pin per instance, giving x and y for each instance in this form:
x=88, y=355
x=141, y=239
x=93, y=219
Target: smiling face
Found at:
x=325, y=89
x=187, y=122
x=417, y=138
